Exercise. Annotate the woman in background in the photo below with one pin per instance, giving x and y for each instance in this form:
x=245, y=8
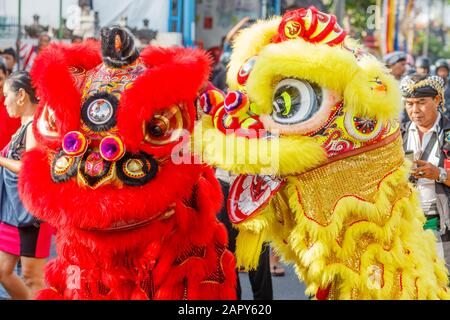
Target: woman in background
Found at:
x=7, y=125
x=21, y=235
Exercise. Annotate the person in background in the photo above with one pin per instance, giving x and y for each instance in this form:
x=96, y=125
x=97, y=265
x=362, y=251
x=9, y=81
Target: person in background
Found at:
x=10, y=56
x=22, y=237
x=423, y=65
x=28, y=53
x=427, y=137
x=442, y=70
x=220, y=69
x=396, y=62
x=219, y=72
x=7, y=127
x=260, y=279
x=76, y=39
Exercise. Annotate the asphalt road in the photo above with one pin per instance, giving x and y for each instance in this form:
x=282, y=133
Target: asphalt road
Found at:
x=284, y=288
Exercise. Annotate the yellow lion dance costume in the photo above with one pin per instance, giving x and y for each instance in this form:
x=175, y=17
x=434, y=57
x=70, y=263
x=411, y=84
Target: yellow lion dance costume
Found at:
x=310, y=128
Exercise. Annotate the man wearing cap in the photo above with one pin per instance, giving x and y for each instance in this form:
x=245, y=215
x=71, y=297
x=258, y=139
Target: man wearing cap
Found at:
x=427, y=136
x=423, y=65
x=396, y=61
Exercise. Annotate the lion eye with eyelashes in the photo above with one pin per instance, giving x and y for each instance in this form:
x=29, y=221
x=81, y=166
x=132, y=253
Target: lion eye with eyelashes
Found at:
x=166, y=126
x=295, y=101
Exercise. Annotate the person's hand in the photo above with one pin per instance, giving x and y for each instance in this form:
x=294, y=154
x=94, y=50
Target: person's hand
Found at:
x=425, y=170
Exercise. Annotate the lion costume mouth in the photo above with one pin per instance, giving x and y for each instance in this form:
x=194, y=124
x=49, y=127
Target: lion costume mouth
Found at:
x=122, y=226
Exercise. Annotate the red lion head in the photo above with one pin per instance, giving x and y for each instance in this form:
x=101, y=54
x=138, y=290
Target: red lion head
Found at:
x=107, y=123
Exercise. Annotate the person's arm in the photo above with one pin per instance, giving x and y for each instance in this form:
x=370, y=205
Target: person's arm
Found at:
x=10, y=164
x=16, y=165
x=30, y=140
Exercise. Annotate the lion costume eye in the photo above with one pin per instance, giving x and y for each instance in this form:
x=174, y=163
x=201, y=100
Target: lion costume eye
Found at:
x=295, y=101
x=166, y=126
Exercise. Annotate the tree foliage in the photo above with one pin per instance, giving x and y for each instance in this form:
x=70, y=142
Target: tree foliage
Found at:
x=356, y=11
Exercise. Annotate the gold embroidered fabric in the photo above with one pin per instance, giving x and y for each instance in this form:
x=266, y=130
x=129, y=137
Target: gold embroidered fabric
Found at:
x=337, y=180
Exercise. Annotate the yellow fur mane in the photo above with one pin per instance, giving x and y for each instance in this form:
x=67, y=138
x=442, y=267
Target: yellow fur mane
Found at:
x=346, y=216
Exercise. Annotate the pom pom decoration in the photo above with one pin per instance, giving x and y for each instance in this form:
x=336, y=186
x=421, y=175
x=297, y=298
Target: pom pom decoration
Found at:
x=112, y=148
x=210, y=101
x=74, y=144
x=236, y=103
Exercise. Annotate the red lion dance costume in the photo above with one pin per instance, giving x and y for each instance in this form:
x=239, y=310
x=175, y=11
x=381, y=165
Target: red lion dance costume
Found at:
x=131, y=224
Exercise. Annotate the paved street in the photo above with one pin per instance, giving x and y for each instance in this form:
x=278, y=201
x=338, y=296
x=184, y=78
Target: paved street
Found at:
x=284, y=288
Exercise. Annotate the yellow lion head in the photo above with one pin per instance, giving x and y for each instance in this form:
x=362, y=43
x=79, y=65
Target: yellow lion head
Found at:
x=302, y=93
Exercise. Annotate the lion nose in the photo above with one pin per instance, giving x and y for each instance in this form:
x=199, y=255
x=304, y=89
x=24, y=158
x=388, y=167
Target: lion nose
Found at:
x=111, y=148
x=94, y=171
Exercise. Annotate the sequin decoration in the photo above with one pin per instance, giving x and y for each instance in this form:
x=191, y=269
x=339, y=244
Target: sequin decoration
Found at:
x=346, y=132
x=193, y=252
x=185, y=289
x=148, y=286
x=397, y=284
x=319, y=207
x=64, y=167
x=94, y=171
x=353, y=262
x=192, y=201
x=217, y=276
x=355, y=294
x=335, y=289
x=364, y=129
x=136, y=169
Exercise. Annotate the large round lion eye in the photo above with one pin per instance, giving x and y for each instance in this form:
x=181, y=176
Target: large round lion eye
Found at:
x=166, y=126
x=245, y=70
x=295, y=101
